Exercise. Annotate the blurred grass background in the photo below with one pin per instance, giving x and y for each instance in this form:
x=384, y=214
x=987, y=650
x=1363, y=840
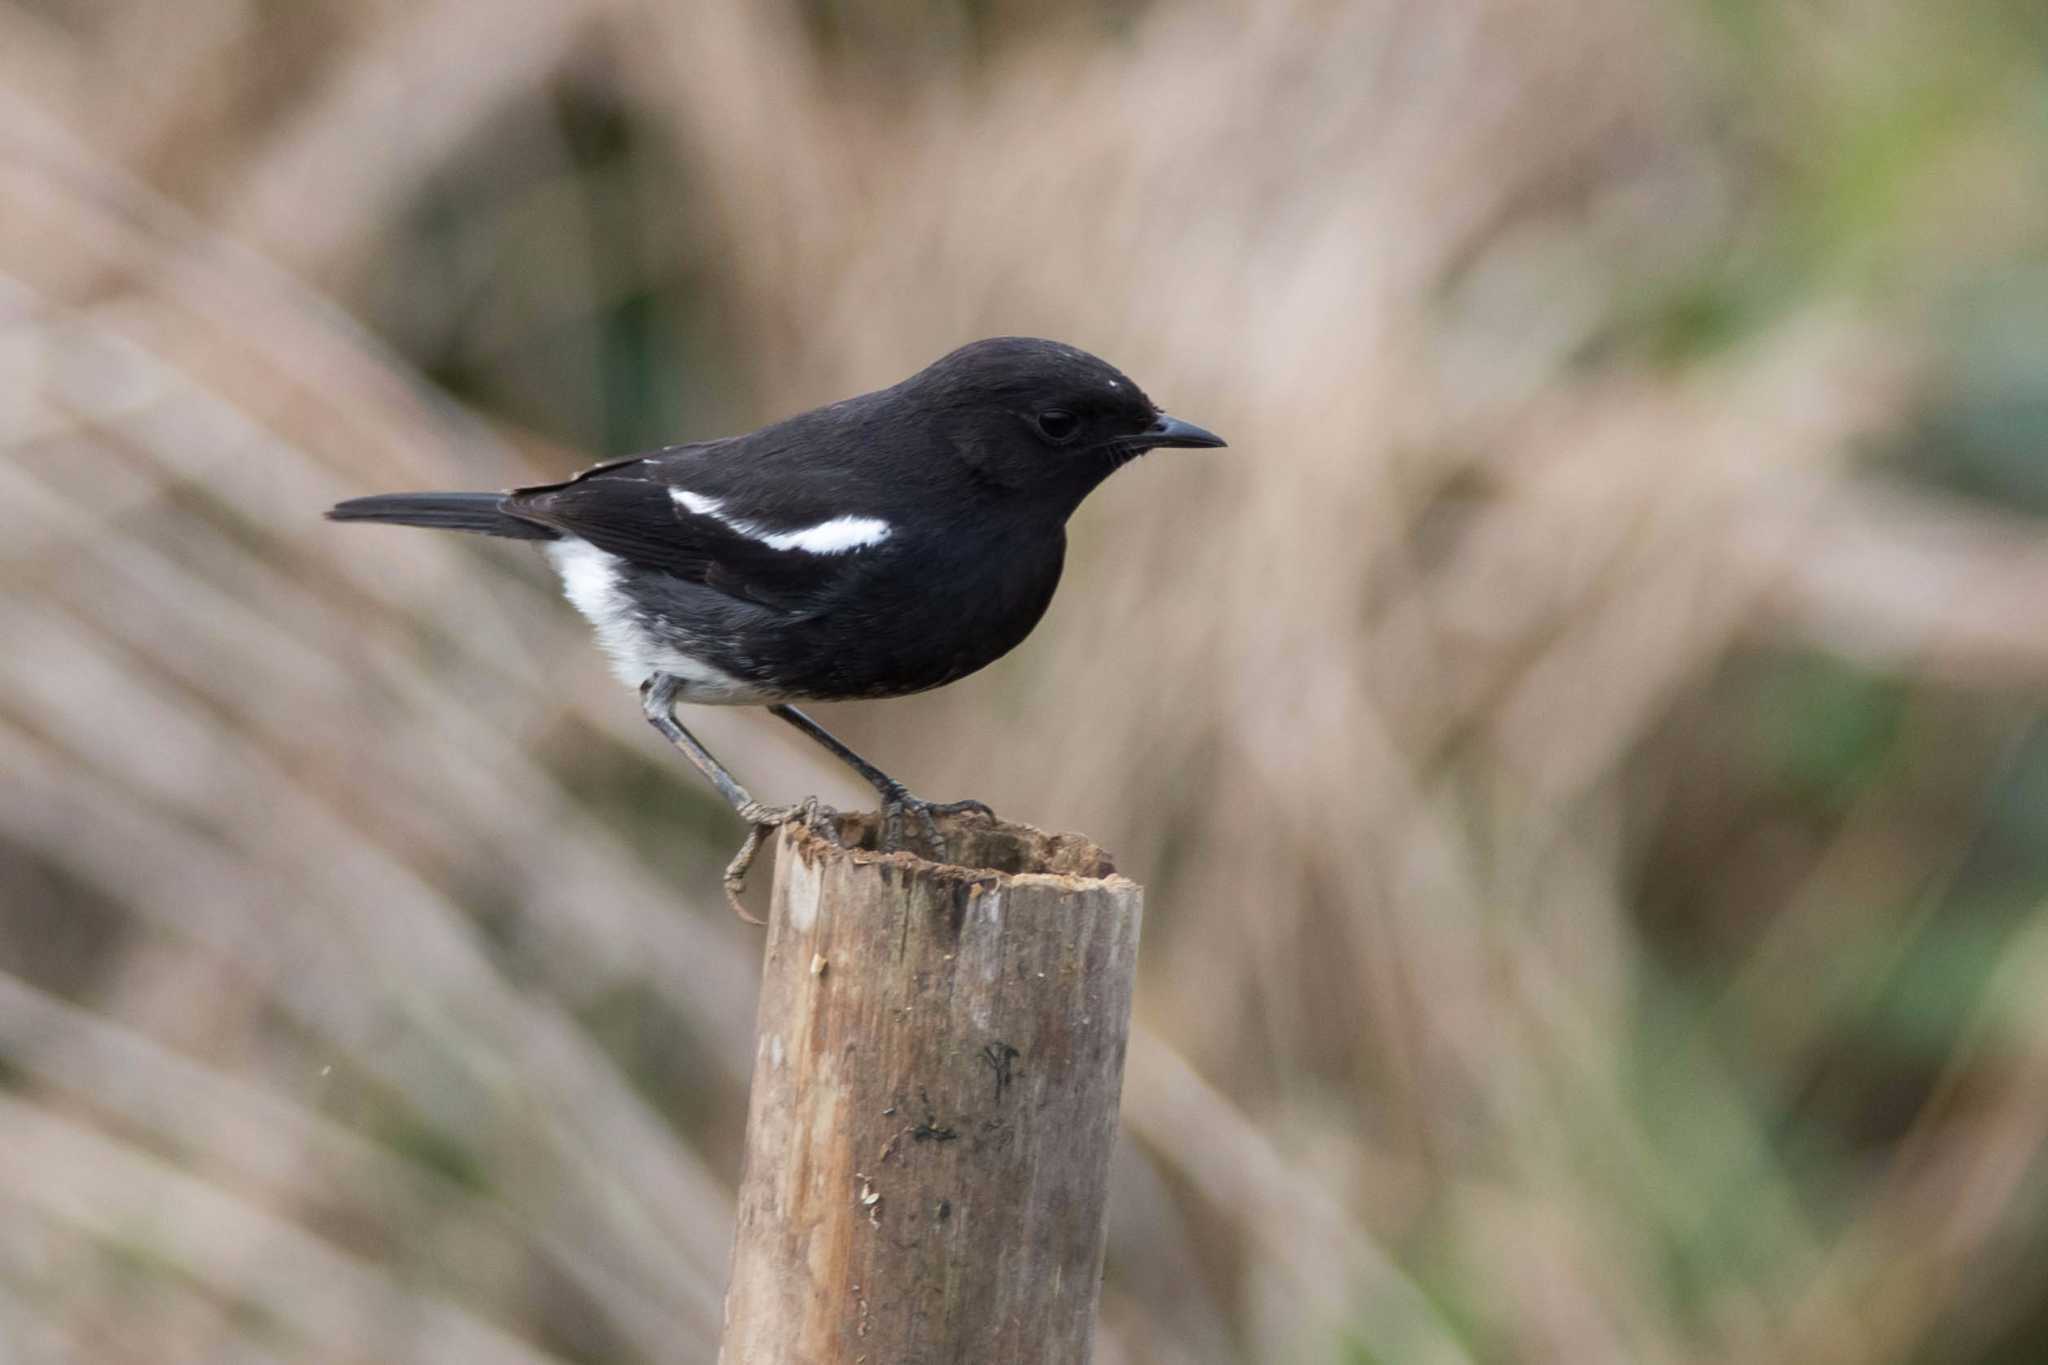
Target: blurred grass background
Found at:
x=1584, y=741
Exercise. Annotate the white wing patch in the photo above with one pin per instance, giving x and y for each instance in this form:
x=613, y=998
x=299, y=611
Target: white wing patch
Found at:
x=834, y=537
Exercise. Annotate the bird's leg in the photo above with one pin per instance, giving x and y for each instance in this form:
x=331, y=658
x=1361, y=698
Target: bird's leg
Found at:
x=896, y=798
x=658, y=700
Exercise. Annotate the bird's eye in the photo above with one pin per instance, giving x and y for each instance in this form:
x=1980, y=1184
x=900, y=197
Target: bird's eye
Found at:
x=1058, y=424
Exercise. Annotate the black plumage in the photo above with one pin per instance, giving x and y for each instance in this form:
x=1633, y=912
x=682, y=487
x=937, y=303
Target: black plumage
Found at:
x=873, y=547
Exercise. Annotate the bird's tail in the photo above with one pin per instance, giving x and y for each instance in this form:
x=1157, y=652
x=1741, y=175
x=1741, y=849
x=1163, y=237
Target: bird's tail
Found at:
x=479, y=512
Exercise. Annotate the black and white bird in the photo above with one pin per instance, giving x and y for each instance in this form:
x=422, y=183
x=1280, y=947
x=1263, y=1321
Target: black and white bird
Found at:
x=874, y=547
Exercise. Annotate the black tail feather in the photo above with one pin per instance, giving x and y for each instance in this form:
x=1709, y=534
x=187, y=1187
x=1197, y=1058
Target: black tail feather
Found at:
x=478, y=512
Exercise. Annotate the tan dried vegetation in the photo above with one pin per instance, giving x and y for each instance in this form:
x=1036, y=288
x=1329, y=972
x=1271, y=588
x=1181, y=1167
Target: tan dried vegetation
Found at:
x=367, y=990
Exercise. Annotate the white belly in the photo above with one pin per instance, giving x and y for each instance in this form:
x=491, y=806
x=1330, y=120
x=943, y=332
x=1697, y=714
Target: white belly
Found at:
x=590, y=580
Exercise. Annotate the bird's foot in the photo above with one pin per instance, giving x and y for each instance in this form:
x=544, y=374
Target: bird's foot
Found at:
x=898, y=803
x=812, y=813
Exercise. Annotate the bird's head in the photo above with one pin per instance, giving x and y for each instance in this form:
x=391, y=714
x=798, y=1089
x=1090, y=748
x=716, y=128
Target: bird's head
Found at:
x=1043, y=420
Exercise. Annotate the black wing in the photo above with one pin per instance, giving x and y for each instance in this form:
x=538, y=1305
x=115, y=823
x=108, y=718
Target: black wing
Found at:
x=629, y=508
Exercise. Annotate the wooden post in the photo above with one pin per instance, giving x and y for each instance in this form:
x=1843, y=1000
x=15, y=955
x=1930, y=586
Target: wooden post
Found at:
x=937, y=1065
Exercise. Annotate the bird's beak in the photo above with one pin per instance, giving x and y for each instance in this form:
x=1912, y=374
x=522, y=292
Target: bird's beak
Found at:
x=1171, y=431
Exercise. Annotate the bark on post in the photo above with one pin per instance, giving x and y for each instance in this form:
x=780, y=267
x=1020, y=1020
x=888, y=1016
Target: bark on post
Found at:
x=938, y=1060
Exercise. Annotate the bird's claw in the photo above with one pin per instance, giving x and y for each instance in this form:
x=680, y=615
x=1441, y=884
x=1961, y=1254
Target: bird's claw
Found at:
x=897, y=800
x=812, y=813
x=815, y=816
